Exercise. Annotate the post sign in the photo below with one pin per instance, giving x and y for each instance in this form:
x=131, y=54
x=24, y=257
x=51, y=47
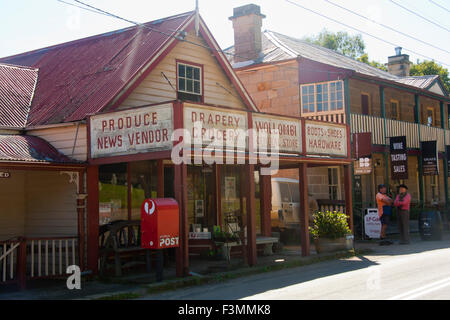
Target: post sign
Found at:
x=216, y=126
x=399, y=158
x=325, y=139
x=160, y=224
x=280, y=132
x=429, y=158
x=372, y=223
x=131, y=131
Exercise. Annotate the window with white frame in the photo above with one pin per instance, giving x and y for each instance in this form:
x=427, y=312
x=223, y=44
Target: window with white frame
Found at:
x=333, y=183
x=322, y=97
x=189, y=82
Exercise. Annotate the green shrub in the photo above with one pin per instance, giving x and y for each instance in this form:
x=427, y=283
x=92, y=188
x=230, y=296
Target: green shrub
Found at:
x=330, y=225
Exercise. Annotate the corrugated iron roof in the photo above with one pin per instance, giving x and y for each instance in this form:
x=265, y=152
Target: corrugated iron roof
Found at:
x=26, y=148
x=423, y=82
x=17, y=84
x=81, y=77
x=278, y=47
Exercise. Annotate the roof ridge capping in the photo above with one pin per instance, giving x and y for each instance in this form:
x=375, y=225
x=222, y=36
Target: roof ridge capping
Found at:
x=16, y=66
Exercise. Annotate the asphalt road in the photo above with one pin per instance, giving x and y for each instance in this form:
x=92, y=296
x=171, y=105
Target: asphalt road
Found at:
x=420, y=270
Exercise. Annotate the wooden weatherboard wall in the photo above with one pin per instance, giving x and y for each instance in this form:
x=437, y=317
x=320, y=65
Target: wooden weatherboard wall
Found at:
x=155, y=88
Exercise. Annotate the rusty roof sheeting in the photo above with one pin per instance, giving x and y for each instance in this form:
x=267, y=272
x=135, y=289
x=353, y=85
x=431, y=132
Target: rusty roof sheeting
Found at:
x=17, y=85
x=26, y=148
x=81, y=77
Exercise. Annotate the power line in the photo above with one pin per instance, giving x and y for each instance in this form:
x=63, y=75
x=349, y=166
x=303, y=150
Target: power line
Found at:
x=385, y=26
x=358, y=30
x=440, y=6
x=100, y=11
x=80, y=7
x=420, y=16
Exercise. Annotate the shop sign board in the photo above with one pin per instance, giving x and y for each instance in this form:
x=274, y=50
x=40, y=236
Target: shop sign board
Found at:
x=429, y=158
x=372, y=223
x=363, y=166
x=284, y=134
x=399, y=158
x=218, y=128
x=325, y=139
x=5, y=174
x=131, y=131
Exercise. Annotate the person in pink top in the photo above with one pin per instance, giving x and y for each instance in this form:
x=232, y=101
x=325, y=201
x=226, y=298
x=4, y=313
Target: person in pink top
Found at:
x=402, y=203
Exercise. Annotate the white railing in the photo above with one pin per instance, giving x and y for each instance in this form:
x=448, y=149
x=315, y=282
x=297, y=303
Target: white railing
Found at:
x=8, y=260
x=51, y=256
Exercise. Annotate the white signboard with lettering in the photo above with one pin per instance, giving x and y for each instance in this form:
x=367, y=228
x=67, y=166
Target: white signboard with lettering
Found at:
x=286, y=133
x=132, y=131
x=372, y=224
x=326, y=139
x=208, y=125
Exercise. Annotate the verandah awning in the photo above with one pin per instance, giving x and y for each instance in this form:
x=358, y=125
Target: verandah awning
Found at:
x=24, y=148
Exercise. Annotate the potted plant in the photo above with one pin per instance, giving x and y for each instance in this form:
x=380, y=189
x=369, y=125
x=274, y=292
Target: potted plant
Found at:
x=331, y=232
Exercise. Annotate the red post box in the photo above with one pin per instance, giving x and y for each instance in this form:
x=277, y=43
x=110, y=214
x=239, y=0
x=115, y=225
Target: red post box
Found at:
x=160, y=223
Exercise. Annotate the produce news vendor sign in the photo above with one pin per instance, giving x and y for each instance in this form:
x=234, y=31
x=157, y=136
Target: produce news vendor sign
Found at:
x=325, y=139
x=131, y=131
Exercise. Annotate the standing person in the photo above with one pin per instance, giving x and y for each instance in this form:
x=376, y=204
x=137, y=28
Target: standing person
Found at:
x=402, y=202
x=384, y=203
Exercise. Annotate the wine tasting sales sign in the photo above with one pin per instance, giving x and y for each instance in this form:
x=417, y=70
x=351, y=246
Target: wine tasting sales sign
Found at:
x=399, y=158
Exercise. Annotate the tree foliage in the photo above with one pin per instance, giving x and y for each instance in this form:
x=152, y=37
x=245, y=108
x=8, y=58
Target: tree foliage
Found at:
x=365, y=58
x=427, y=67
x=342, y=42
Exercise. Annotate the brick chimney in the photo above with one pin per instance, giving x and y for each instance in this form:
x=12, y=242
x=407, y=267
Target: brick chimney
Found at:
x=247, y=23
x=399, y=64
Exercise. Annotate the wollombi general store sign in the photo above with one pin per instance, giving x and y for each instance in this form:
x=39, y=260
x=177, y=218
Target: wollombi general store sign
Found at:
x=277, y=132
x=325, y=139
x=131, y=131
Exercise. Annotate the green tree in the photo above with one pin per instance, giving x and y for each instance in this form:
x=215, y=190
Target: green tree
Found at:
x=427, y=67
x=365, y=58
x=342, y=42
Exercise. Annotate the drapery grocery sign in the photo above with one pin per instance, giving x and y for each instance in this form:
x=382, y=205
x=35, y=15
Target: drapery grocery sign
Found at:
x=325, y=139
x=283, y=133
x=221, y=127
x=131, y=131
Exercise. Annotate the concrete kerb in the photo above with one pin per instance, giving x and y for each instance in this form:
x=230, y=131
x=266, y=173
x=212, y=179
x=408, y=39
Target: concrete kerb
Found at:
x=179, y=283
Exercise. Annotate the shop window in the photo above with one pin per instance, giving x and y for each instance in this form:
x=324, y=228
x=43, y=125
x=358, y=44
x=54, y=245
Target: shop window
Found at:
x=448, y=115
x=189, y=82
x=395, y=110
x=322, y=97
x=200, y=194
x=434, y=189
x=365, y=104
x=333, y=183
x=233, y=215
x=143, y=185
x=430, y=117
x=113, y=194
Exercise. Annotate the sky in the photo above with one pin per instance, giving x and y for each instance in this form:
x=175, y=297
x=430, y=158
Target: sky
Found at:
x=33, y=24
